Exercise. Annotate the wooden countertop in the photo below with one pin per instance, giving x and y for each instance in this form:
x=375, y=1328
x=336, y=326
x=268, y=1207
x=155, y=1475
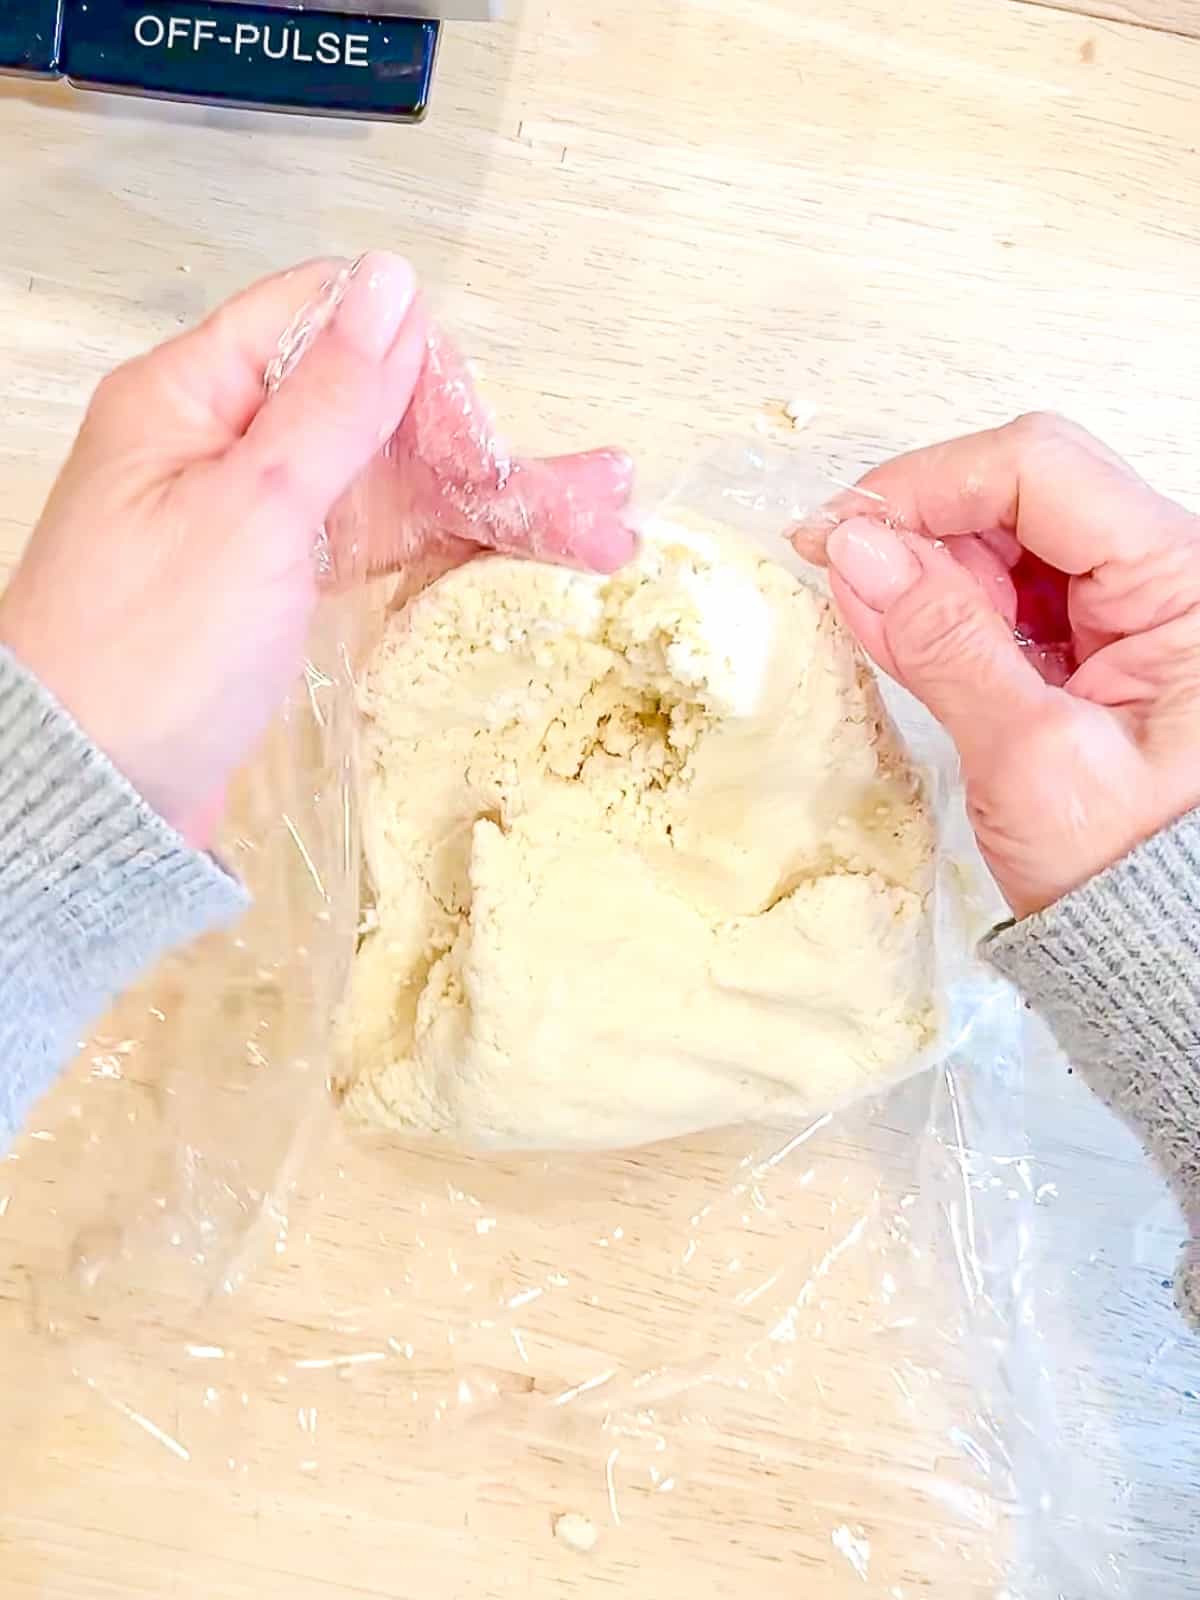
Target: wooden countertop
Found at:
x=653, y=224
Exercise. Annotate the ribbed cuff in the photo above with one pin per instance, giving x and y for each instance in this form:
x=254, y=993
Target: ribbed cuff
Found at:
x=1115, y=970
x=94, y=886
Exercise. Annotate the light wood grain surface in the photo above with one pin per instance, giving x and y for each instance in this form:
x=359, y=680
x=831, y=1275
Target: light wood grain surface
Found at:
x=1165, y=16
x=652, y=223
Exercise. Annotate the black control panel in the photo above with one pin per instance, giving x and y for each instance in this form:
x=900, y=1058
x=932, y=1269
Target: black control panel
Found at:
x=226, y=53
x=29, y=36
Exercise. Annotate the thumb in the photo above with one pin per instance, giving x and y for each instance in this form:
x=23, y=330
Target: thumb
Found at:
x=346, y=397
x=926, y=621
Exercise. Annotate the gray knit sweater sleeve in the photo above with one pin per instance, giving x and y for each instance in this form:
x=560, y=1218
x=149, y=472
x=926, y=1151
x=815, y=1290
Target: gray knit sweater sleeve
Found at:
x=1115, y=970
x=93, y=888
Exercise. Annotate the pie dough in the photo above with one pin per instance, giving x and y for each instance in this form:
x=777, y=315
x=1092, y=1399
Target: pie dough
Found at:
x=645, y=852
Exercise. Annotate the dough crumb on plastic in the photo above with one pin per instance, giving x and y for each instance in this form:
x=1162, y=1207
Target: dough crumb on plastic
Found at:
x=576, y=1531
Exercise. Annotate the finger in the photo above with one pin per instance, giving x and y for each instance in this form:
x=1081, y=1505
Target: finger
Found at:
x=345, y=398
x=570, y=510
x=989, y=558
x=1123, y=598
x=928, y=623
x=449, y=426
x=605, y=475
x=461, y=480
x=203, y=388
x=581, y=515
x=990, y=572
x=1158, y=671
x=1003, y=544
x=809, y=537
x=1063, y=494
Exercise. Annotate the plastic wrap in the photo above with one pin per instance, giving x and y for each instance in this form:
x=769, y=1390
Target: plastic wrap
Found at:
x=851, y=1354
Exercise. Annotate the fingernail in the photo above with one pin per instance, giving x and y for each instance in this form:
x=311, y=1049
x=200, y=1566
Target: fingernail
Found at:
x=809, y=538
x=378, y=297
x=873, y=560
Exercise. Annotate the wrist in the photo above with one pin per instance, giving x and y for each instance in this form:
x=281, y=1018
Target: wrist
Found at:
x=75, y=686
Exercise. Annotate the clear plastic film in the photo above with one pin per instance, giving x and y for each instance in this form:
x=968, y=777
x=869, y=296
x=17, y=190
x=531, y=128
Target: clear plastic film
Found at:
x=855, y=1351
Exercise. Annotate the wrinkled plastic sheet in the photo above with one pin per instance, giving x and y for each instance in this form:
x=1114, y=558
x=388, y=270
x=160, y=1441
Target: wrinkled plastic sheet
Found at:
x=874, y=1337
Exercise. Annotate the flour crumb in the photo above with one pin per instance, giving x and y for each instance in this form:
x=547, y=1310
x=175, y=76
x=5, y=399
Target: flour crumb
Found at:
x=576, y=1532
x=799, y=412
x=855, y=1547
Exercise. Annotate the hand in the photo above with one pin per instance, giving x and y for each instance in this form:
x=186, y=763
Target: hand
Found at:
x=167, y=591
x=1044, y=603
x=445, y=484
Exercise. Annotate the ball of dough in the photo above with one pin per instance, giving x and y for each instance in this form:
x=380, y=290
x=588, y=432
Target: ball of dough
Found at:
x=646, y=857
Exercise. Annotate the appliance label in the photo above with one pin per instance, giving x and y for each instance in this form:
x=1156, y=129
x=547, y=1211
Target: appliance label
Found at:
x=253, y=55
x=292, y=42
